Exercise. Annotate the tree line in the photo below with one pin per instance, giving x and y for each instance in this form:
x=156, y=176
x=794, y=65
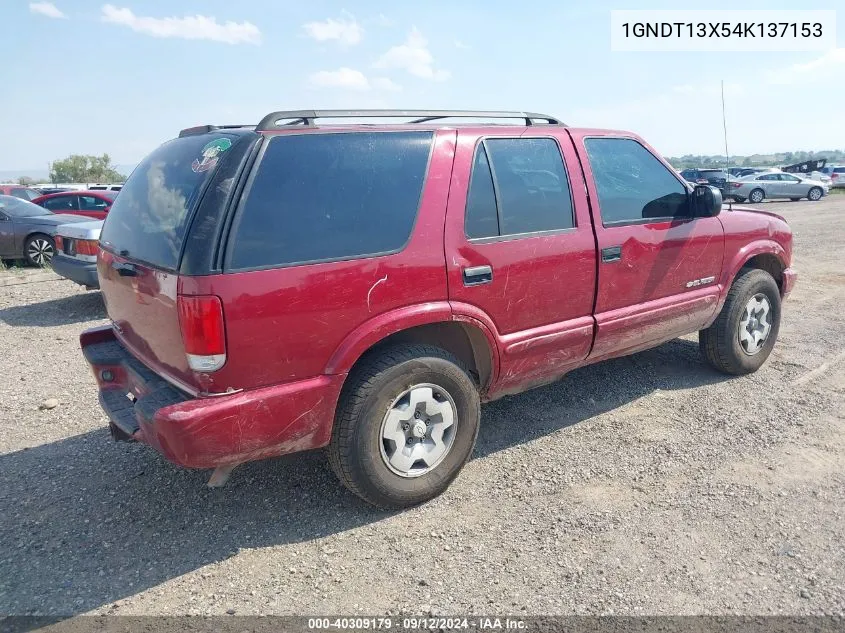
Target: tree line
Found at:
x=81, y=168
x=755, y=160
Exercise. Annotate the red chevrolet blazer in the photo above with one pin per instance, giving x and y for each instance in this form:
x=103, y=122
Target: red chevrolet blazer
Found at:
x=364, y=287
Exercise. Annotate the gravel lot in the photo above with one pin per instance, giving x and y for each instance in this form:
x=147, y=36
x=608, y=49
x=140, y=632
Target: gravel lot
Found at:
x=646, y=485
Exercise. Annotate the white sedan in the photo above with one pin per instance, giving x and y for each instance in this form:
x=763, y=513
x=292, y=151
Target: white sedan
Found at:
x=758, y=187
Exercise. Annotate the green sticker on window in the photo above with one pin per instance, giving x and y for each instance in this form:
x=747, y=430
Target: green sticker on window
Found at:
x=210, y=155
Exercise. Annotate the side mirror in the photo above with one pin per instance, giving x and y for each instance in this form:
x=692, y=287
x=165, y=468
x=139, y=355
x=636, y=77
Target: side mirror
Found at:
x=705, y=201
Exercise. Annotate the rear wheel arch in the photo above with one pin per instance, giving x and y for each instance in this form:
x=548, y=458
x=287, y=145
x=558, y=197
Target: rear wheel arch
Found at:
x=467, y=342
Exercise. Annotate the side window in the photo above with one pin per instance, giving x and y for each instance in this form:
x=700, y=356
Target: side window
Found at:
x=61, y=203
x=24, y=194
x=788, y=178
x=517, y=186
x=90, y=203
x=769, y=177
x=481, y=217
x=632, y=184
x=320, y=197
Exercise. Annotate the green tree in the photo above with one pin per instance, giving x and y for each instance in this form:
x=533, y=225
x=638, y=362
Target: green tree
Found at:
x=26, y=181
x=85, y=168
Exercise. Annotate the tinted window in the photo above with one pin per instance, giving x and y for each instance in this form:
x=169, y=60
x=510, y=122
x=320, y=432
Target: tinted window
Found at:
x=18, y=208
x=531, y=189
x=481, y=217
x=788, y=178
x=61, y=203
x=90, y=203
x=632, y=184
x=331, y=196
x=768, y=177
x=24, y=194
x=149, y=218
x=839, y=170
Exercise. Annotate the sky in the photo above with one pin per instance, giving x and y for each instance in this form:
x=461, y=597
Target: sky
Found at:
x=87, y=77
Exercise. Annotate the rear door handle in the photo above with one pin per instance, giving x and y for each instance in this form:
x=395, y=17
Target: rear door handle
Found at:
x=611, y=254
x=125, y=270
x=477, y=275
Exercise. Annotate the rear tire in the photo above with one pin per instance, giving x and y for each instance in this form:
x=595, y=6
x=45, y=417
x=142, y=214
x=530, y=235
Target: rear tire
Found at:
x=741, y=338
x=756, y=196
x=815, y=194
x=378, y=404
x=739, y=199
x=39, y=249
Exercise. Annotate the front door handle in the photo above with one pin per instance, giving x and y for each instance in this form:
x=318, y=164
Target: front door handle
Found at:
x=611, y=254
x=477, y=275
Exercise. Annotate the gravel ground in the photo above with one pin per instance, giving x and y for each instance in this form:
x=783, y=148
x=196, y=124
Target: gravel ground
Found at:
x=645, y=485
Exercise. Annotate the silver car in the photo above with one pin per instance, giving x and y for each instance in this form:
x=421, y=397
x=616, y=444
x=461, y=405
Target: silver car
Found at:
x=757, y=187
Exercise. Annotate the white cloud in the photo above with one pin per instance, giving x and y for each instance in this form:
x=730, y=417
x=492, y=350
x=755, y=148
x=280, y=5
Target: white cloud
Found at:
x=190, y=27
x=462, y=45
x=384, y=21
x=46, y=8
x=351, y=79
x=345, y=30
x=341, y=78
x=383, y=83
x=822, y=67
x=414, y=57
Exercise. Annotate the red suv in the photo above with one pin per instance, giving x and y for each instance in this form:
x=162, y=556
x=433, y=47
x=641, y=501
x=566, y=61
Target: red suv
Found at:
x=297, y=285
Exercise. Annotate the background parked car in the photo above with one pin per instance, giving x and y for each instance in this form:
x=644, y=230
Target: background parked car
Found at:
x=770, y=185
x=27, y=230
x=94, y=204
x=714, y=177
x=19, y=191
x=76, y=252
x=105, y=187
x=837, y=175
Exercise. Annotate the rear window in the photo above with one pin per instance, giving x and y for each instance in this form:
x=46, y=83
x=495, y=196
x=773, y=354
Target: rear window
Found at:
x=322, y=197
x=149, y=219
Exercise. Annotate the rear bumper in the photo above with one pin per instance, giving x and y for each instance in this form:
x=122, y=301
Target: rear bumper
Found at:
x=790, y=276
x=207, y=432
x=83, y=273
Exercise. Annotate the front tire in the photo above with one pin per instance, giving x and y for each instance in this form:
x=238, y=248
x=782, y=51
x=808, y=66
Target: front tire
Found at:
x=39, y=249
x=406, y=424
x=815, y=194
x=756, y=196
x=741, y=338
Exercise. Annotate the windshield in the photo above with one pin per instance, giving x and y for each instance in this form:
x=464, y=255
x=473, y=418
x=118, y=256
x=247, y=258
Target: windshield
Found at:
x=149, y=219
x=18, y=208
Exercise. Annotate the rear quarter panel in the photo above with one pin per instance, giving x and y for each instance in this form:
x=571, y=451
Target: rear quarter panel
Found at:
x=285, y=324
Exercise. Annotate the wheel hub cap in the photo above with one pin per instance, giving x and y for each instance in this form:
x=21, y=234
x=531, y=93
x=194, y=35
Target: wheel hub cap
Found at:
x=755, y=324
x=418, y=430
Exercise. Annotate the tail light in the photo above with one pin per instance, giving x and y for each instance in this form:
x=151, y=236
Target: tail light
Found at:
x=203, y=332
x=87, y=247
x=736, y=185
x=60, y=243
x=834, y=176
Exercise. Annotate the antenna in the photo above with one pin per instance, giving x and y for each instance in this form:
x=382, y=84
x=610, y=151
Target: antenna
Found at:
x=727, y=155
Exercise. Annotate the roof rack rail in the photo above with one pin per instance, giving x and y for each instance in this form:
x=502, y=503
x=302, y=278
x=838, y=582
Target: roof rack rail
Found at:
x=307, y=117
x=204, y=129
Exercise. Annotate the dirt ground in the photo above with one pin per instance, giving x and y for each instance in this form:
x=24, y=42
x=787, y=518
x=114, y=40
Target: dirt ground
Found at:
x=645, y=485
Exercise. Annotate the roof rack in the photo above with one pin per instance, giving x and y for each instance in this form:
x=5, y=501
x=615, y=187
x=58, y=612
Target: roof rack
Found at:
x=307, y=117
x=204, y=129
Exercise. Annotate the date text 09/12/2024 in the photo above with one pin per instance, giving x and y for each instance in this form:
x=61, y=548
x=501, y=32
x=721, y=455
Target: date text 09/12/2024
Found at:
x=416, y=623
